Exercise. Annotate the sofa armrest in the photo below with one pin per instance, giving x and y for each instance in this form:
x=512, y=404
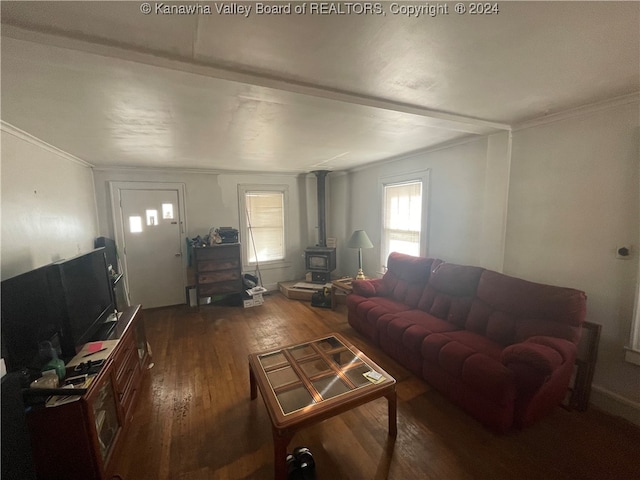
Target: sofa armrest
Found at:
x=369, y=288
x=535, y=359
x=540, y=358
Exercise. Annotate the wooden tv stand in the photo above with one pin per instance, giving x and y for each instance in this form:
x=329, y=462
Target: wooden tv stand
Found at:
x=80, y=440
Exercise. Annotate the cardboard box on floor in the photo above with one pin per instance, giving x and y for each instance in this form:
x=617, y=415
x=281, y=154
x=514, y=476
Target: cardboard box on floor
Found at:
x=253, y=301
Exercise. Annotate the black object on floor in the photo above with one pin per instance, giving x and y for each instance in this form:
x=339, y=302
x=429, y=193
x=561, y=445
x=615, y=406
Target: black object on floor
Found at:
x=301, y=465
x=321, y=298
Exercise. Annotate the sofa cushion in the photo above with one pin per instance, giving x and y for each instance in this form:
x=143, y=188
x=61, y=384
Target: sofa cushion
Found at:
x=401, y=335
x=472, y=359
x=364, y=312
x=449, y=292
x=479, y=343
x=509, y=310
x=406, y=277
x=368, y=288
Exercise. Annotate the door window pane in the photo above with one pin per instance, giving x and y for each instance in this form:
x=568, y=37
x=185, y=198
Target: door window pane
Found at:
x=167, y=211
x=152, y=217
x=135, y=224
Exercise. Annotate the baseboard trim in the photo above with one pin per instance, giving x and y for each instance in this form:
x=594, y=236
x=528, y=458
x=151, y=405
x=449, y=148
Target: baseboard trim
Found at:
x=615, y=404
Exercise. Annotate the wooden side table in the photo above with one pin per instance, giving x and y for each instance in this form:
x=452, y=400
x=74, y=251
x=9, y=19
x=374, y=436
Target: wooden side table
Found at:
x=343, y=286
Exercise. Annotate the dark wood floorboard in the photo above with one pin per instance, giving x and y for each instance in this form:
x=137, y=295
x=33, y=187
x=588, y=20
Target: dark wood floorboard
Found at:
x=194, y=418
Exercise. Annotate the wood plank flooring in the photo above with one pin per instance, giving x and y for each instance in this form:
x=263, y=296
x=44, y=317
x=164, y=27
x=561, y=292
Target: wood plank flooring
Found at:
x=194, y=418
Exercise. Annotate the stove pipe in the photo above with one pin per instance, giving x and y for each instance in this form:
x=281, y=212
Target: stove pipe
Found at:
x=322, y=216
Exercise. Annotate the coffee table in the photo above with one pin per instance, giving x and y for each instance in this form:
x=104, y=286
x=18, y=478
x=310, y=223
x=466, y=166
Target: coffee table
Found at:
x=306, y=383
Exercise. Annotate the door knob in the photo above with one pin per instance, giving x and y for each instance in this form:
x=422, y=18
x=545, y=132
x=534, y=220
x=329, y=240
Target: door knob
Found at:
x=178, y=254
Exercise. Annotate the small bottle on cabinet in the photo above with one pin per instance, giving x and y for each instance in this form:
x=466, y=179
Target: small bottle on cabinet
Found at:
x=48, y=352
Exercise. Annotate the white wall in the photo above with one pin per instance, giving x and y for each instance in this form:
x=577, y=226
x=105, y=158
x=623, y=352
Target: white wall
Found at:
x=212, y=201
x=455, y=211
x=550, y=204
x=496, y=191
x=573, y=197
x=48, y=204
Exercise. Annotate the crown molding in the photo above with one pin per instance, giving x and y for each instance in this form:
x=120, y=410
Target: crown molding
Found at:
x=37, y=142
x=416, y=153
x=579, y=111
x=196, y=171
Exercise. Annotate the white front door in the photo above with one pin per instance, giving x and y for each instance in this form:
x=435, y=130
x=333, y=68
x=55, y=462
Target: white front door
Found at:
x=152, y=250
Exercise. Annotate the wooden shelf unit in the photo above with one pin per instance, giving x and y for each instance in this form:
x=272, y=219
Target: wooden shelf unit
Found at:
x=218, y=270
x=80, y=440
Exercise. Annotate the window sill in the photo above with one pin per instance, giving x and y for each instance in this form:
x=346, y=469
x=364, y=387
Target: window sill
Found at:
x=632, y=356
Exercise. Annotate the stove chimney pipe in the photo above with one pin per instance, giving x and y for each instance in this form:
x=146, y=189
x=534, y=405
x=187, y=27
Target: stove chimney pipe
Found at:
x=322, y=220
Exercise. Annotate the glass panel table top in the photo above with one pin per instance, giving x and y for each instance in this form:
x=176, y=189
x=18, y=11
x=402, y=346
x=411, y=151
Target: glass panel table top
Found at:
x=311, y=373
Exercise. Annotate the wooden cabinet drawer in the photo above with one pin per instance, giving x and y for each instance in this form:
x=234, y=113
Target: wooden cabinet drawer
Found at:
x=214, y=265
x=125, y=361
x=220, y=288
x=127, y=373
x=218, y=252
x=127, y=396
x=218, y=270
x=221, y=276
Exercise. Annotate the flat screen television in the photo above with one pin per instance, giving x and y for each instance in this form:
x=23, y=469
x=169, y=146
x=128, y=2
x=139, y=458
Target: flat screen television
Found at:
x=69, y=302
x=30, y=314
x=86, y=294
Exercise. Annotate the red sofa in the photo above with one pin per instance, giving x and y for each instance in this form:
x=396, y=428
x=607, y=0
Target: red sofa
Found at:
x=500, y=347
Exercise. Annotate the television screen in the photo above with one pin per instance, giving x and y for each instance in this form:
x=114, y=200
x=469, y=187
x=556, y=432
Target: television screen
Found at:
x=66, y=302
x=30, y=314
x=88, y=297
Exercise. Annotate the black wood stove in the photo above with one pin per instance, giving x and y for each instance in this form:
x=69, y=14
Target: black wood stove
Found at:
x=320, y=260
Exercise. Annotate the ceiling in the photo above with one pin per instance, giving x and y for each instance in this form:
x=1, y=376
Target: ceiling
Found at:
x=295, y=93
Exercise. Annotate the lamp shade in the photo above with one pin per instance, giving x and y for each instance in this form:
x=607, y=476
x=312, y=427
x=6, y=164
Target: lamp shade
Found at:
x=359, y=239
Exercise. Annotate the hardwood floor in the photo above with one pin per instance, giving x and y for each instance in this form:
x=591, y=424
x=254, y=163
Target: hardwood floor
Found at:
x=194, y=418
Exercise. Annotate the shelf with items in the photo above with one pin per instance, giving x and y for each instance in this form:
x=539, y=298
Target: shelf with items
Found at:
x=218, y=270
x=93, y=424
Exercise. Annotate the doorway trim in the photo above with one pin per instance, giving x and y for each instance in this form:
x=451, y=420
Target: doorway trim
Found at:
x=115, y=189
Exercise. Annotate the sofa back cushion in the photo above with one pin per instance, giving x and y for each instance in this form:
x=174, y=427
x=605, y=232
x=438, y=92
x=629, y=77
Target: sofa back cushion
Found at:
x=510, y=310
x=406, y=277
x=450, y=291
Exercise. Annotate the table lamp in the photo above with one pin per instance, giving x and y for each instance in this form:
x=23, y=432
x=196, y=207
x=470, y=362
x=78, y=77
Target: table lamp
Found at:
x=359, y=240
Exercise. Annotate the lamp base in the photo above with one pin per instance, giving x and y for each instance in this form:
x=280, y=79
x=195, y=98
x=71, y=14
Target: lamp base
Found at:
x=360, y=275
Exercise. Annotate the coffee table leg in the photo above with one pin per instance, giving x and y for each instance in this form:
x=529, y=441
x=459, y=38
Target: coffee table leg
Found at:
x=280, y=442
x=392, y=398
x=252, y=384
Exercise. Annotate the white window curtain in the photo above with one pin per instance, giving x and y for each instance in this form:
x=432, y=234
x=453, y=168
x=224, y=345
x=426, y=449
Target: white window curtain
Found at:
x=265, y=234
x=402, y=219
x=632, y=353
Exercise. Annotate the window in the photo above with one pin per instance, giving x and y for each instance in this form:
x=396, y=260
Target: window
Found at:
x=632, y=354
x=263, y=225
x=167, y=211
x=152, y=217
x=135, y=224
x=403, y=209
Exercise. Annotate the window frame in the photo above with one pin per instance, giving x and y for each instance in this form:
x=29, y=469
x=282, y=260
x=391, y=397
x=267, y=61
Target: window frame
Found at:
x=422, y=177
x=632, y=351
x=245, y=236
